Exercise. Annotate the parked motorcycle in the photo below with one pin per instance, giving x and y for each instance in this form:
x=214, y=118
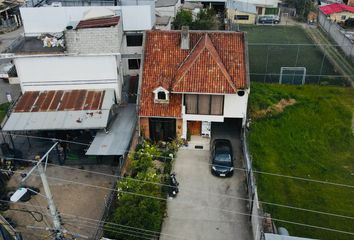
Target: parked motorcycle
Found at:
x=173, y=185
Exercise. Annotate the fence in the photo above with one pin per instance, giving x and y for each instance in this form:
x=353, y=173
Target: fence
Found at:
x=256, y=213
x=266, y=61
x=338, y=34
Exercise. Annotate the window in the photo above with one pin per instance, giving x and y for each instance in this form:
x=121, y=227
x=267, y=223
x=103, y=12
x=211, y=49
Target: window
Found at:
x=133, y=64
x=135, y=40
x=161, y=95
x=204, y=104
x=343, y=17
x=241, y=17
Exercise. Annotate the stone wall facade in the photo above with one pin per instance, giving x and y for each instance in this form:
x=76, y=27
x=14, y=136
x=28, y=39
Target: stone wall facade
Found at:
x=94, y=40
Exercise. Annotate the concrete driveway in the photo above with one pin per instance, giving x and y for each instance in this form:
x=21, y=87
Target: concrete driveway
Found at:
x=201, y=211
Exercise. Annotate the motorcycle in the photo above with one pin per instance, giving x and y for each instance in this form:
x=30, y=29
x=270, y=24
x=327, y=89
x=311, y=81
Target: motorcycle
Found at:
x=173, y=185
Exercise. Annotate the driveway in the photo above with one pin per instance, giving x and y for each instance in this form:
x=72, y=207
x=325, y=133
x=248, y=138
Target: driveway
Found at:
x=201, y=210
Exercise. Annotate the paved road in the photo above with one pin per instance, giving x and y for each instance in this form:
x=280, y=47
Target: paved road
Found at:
x=201, y=210
x=13, y=89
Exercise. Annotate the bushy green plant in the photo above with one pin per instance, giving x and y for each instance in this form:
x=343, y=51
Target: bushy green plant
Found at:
x=135, y=208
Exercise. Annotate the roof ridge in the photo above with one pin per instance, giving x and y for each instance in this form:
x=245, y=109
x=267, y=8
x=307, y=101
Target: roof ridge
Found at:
x=208, y=44
x=185, y=60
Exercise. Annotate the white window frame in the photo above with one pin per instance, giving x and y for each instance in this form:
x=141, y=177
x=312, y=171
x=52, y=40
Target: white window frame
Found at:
x=156, y=93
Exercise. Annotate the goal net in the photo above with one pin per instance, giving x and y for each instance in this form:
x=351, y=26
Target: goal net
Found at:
x=292, y=75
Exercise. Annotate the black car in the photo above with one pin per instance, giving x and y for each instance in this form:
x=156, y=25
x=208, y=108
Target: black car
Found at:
x=222, y=163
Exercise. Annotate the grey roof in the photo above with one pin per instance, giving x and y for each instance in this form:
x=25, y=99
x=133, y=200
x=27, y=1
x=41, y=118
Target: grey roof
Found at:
x=117, y=140
x=165, y=3
x=192, y=5
x=62, y=120
x=35, y=45
x=241, y=6
x=270, y=236
x=164, y=20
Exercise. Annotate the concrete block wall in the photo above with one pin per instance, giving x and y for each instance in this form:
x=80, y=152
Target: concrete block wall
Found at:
x=94, y=40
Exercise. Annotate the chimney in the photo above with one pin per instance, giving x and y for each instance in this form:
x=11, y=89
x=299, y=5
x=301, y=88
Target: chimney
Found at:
x=185, y=38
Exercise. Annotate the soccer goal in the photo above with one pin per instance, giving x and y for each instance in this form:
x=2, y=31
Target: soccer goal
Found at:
x=292, y=75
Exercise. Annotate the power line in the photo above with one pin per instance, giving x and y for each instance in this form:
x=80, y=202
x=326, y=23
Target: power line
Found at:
x=98, y=221
x=245, y=170
x=191, y=189
x=237, y=213
x=212, y=208
x=110, y=229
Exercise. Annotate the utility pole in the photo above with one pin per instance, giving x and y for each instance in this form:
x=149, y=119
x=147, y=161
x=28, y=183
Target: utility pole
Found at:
x=59, y=233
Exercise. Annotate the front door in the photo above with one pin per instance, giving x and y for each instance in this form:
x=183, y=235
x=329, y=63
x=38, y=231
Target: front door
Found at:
x=194, y=127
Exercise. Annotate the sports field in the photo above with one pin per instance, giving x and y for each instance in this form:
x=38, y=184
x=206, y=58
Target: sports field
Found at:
x=273, y=47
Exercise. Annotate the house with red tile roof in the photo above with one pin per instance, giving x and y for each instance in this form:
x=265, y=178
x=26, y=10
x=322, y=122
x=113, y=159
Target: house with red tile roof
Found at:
x=337, y=12
x=191, y=79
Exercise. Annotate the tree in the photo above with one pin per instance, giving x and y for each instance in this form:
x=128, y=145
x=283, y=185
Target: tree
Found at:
x=183, y=18
x=135, y=210
x=206, y=19
x=303, y=7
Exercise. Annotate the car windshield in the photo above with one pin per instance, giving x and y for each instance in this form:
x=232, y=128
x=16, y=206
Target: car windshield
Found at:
x=223, y=159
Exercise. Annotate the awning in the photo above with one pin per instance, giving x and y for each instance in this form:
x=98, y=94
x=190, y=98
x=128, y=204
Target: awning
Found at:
x=61, y=110
x=116, y=141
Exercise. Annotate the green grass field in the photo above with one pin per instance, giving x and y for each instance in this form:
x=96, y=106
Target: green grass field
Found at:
x=311, y=139
x=279, y=56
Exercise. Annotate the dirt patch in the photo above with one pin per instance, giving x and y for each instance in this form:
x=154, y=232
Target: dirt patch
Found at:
x=275, y=108
x=72, y=200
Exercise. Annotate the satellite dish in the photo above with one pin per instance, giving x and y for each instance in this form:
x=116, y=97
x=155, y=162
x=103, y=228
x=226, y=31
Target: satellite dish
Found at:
x=18, y=194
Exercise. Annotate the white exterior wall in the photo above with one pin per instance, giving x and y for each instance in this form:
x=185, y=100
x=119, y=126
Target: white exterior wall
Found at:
x=234, y=107
x=95, y=40
x=55, y=19
x=68, y=72
x=137, y=18
x=170, y=11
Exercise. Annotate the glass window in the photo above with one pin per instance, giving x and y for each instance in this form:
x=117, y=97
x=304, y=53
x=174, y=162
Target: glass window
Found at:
x=204, y=104
x=134, y=40
x=191, y=103
x=161, y=95
x=343, y=17
x=217, y=105
x=133, y=63
x=241, y=17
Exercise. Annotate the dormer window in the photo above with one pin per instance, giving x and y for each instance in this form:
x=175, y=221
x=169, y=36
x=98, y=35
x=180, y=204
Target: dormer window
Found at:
x=161, y=95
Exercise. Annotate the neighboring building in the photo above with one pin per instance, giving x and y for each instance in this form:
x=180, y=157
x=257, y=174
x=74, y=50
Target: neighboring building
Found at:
x=102, y=35
x=264, y=7
x=10, y=17
x=337, y=12
x=167, y=8
x=241, y=12
x=163, y=23
x=190, y=80
x=72, y=74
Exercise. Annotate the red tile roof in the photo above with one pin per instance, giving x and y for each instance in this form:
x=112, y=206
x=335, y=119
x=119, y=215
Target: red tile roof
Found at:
x=215, y=63
x=98, y=23
x=336, y=8
x=73, y=100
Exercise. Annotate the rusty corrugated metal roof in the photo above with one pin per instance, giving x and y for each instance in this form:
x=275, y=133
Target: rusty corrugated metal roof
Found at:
x=97, y=23
x=71, y=100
